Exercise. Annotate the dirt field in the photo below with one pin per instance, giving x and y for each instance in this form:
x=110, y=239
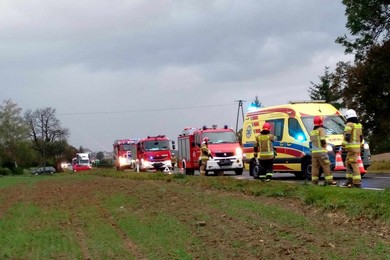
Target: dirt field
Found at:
x=220, y=232
x=381, y=157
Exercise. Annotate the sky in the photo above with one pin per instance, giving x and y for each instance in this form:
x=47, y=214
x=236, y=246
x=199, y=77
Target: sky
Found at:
x=117, y=69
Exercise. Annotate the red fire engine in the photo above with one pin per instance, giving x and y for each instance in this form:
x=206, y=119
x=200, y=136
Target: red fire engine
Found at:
x=153, y=153
x=223, y=144
x=122, y=153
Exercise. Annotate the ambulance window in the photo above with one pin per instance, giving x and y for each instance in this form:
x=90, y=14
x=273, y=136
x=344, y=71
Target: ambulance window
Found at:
x=295, y=130
x=277, y=128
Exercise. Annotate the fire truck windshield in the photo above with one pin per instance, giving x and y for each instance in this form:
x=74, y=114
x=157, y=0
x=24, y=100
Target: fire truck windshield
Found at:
x=220, y=137
x=126, y=147
x=156, y=145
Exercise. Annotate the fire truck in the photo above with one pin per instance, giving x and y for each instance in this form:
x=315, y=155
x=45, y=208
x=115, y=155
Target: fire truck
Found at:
x=153, y=154
x=122, y=153
x=223, y=144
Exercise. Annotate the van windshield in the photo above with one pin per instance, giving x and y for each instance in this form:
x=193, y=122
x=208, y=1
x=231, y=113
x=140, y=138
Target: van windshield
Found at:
x=221, y=137
x=156, y=145
x=334, y=125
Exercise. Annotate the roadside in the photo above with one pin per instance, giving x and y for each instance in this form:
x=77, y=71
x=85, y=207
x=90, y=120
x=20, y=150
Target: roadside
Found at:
x=380, y=163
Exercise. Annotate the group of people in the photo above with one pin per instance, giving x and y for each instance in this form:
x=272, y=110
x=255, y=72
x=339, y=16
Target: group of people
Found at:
x=264, y=152
x=353, y=135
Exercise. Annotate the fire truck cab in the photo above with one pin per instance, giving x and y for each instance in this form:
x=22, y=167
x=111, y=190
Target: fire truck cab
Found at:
x=223, y=144
x=153, y=153
x=122, y=153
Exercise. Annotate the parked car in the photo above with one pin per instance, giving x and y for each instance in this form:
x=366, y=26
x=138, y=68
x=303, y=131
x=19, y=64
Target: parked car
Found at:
x=43, y=170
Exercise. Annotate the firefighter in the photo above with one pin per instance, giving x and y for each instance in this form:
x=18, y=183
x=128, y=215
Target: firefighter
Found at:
x=205, y=155
x=173, y=160
x=264, y=148
x=353, y=136
x=319, y=155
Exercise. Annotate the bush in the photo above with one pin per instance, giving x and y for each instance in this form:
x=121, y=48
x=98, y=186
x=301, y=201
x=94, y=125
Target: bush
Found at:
x=5, y=171
x=17, y=171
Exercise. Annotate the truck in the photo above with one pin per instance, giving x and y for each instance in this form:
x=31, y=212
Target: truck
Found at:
x=291, y=124
x=122, y=153
x=152, y=153
x=223, y=144
x=81, y=162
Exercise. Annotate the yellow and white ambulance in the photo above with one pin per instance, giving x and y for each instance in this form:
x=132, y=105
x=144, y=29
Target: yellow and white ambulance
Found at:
x=291, y=124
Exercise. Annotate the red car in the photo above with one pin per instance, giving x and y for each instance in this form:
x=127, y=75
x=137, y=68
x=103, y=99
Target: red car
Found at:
x=81, y=167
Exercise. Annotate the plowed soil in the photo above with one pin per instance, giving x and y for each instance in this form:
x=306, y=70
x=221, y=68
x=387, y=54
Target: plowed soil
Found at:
x=224, y=234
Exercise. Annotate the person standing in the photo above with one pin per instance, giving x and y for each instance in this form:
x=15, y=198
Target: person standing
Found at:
x=265, y=149
x=353, y=136
x=319, y=155
x=173, y=160
x=205, y=154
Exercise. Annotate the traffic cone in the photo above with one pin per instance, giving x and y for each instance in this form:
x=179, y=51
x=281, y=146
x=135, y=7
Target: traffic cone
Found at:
x=339, y=165
x=361, y=166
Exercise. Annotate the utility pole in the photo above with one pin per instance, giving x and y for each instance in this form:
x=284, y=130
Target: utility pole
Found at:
x=238, y=111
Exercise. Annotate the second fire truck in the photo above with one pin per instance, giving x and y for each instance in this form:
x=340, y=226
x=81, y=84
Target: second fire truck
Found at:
x=223, y=144
x=153, y=154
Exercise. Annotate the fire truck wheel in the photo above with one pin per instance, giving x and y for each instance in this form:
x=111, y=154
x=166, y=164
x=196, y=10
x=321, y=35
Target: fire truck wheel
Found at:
x=239, y=171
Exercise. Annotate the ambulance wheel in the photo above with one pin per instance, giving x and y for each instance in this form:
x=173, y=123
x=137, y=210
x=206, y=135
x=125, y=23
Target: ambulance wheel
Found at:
x=239, y=171
x=306, y=170
x=252, y=164
x=255, y=171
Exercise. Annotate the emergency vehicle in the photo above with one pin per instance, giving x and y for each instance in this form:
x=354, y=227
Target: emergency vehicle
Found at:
x=223, y=144
x=122, y=153
x=81, y=162
x=291, y=124
x=152, y=154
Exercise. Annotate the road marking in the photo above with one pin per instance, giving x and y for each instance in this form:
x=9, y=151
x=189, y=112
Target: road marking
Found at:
x=373, y=189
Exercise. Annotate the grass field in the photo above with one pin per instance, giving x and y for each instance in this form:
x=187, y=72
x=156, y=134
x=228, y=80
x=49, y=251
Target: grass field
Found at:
x=105, y=214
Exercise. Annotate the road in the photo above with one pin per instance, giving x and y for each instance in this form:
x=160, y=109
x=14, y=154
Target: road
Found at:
x=373, y=181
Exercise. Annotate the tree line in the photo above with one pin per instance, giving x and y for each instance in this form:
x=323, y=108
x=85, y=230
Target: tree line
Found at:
x=364, y=84
x=30, y=139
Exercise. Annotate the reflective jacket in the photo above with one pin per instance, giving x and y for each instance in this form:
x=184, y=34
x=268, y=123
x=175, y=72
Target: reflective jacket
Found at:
x=264, y=145
x=205, y=152
x=355, y=131
x=316, y=136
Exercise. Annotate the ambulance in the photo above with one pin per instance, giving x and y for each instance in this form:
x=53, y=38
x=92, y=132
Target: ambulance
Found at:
x=291, y=124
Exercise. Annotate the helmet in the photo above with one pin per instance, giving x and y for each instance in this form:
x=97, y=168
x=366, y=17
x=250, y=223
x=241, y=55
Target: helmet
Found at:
x=206, y=139
x=350, y=113
x=267, y=126
x=318, y=120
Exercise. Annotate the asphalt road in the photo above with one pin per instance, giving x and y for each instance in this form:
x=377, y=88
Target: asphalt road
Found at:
x=373, y=181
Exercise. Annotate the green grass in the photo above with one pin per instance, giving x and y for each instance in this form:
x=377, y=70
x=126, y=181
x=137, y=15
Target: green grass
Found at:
x=146, y=210
x=353, y=202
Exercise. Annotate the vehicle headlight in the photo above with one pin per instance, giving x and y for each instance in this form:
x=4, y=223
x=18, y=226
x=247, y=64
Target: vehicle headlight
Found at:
x=122, y=160
x=329, y=148
x=239, y=151
x=366, y=146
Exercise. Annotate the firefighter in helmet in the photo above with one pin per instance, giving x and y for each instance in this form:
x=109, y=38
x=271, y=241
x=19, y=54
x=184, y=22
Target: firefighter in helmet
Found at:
x=205, y=155
x=353, y=136
x=264, y=148
x=319, y=155
x=173, y=160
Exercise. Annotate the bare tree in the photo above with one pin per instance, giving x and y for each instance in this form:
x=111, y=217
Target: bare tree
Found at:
x=45, y=132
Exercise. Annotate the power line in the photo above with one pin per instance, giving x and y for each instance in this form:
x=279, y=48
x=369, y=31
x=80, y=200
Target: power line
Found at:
x=238, y=111
x=142, y=110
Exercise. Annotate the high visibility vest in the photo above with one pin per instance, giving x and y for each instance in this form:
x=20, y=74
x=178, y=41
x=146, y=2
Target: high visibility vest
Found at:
x=315, y=137
x=355, y=130
x=264, y=143
x=205, y=152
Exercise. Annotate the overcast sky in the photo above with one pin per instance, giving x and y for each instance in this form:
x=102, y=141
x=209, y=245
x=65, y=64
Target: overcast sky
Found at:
x=117, y=69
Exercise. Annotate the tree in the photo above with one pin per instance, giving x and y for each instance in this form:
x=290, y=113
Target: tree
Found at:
x=45, y=132
x=13, y=134
x=369, y=22
x=100, y=156
x=328, y=89
x=368, y=92
x=256, y=103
